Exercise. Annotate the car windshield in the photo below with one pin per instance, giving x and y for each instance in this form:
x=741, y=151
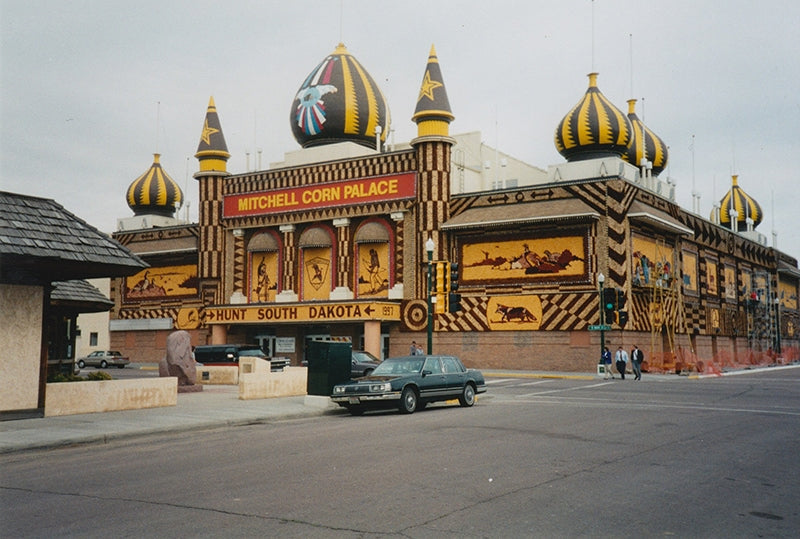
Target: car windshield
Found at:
x=401, y=365
x=362, y=357
x=252, y=352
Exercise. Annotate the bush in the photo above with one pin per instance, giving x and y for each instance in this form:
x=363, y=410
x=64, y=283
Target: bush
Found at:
x=99, y=375
x=61, y=377
x=96, y=375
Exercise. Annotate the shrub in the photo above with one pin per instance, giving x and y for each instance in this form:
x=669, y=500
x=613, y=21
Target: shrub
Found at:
x=99, y=375
x=60, y=377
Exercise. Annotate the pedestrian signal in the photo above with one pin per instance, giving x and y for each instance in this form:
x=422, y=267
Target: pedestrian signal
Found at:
x=609, y=304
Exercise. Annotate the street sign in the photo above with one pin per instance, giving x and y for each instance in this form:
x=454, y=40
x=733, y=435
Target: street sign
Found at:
x=603, y=327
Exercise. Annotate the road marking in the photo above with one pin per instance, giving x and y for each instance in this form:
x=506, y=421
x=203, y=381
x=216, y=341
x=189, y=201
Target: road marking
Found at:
x=562, y=390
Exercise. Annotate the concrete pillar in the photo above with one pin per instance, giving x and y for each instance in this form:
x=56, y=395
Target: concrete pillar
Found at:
x=372, y=337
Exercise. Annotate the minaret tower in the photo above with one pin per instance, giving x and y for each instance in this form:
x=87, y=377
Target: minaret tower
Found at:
x=433, y=144
x=212, y=154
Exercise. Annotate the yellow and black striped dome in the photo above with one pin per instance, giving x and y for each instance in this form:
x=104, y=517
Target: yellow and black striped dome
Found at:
x=338, y=102
x=154, y=192
x=745, y=206
x=644, y=144
x=593, y=128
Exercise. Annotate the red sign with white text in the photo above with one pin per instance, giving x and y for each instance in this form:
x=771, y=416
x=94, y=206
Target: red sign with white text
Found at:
x=323, y=195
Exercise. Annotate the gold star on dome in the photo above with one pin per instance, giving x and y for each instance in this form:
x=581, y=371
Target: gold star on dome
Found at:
x=207, y=132
x=428, y=86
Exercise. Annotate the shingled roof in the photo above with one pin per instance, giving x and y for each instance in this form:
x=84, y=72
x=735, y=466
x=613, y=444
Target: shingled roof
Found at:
x=41, y=242
x=80, y=295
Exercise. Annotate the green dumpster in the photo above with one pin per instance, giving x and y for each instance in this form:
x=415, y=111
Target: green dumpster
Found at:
x=328, y=364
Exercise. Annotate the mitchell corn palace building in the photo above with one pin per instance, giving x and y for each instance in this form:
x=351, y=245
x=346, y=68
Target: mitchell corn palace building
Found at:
x=331, y=244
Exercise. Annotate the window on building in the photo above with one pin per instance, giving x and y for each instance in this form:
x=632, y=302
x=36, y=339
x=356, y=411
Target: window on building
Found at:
x=93, y=338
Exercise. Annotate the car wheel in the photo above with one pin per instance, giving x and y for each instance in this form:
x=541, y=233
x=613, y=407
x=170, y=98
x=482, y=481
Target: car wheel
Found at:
x=81, y=364
x=356, y=410
x=408, y=400
x=103, y=364
x=467, y=397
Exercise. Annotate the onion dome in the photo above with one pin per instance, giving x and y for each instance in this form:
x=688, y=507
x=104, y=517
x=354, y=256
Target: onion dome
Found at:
x=593, y=128
x=743, y=204
x=644, y=144
x=212, y=152
x=433, y=114
x=154, y=192
x=339, y=102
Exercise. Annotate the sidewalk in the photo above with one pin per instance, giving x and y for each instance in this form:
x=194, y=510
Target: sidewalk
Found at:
x=214, y=407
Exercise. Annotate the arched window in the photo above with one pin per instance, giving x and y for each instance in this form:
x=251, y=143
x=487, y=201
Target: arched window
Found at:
x=316, y=263
x=373, y=260
x=263, y=253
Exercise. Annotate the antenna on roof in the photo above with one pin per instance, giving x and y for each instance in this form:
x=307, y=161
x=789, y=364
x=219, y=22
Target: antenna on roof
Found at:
x=630, y=39
x=158, y=119
x=341, y=20
x=593, y=69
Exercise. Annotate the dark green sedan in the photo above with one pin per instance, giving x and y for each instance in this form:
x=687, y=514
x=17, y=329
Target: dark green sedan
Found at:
x=409, y=383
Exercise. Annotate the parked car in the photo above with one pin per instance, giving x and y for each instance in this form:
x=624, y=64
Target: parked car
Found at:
x=410, y=383
x=103, y=359
x=363, y=364
x=229, y=354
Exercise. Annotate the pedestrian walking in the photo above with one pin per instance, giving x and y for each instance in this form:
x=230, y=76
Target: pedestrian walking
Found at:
x=414, y=350
x=637, y=357
x=605, y=359
x=622, y=362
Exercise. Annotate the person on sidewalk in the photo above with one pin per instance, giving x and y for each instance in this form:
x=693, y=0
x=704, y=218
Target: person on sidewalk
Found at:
x=605, y=359
x=622, y=362
x=637, y=357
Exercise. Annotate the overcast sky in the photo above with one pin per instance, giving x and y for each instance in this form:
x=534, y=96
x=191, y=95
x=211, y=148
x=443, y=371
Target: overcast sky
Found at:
x=91, y=89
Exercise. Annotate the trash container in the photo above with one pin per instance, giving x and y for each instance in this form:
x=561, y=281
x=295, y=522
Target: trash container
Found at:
x=328, y=365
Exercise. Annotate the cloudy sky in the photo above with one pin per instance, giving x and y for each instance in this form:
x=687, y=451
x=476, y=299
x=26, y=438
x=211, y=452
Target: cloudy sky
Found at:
x=90, y=89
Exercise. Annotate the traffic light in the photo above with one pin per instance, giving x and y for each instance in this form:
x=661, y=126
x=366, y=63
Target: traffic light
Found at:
x=454, y=303
x=623, y=318
x=621, y=299
x=453, y=299
x=609, y=304
x=453, y=269
x=441, y=277
x=441, y=288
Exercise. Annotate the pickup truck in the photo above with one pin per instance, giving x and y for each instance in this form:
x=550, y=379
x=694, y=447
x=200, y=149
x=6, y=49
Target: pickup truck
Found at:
x=229, y=354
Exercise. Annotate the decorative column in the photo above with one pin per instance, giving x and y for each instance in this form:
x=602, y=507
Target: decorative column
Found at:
x=341, y=290
x=397, y=290
x=288, y=291
x=239, y=267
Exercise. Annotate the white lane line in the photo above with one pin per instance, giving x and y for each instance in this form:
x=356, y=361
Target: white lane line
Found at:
x=562, y=390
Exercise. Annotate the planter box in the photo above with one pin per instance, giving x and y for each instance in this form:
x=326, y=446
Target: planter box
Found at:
x=218, y=375
x=263, y=384
x=68, y=398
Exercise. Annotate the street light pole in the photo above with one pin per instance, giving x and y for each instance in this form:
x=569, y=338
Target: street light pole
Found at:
x=777, y=326
x=600, y=280
x=429, y=247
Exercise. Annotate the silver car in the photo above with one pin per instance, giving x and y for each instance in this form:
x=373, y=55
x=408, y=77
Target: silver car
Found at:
x=103, y=359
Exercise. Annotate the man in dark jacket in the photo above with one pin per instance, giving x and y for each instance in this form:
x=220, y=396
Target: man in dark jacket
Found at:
x=637, y=356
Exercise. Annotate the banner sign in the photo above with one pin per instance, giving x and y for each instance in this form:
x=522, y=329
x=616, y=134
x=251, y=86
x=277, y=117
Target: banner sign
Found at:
x=322, y=195
x=293, y=313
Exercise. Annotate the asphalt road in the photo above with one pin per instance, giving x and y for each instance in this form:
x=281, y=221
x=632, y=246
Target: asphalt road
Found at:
x=534, y=458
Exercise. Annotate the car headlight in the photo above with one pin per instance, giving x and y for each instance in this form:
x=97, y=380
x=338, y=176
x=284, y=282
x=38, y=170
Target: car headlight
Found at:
x=380, y=388
x=338, y=389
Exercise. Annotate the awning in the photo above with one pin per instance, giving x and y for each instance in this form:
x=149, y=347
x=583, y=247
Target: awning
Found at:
x=561, y=210
x=784, y=268
x=657, y=219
